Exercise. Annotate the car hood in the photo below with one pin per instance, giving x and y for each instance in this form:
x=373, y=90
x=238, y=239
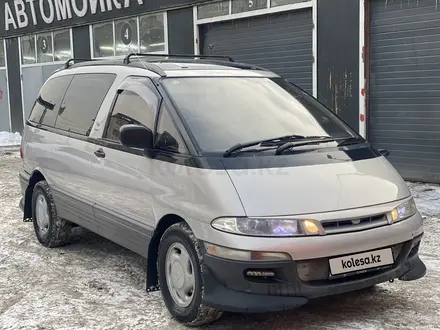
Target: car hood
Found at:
x=318, y=188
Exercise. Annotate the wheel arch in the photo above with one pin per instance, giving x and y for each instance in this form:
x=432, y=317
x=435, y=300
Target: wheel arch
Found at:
x=152, y=272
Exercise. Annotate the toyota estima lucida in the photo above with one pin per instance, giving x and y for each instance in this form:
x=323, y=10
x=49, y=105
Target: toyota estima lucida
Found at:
x=242, y=191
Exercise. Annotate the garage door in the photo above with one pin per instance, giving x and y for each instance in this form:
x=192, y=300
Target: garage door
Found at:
x=405, y=85
x=279, y=42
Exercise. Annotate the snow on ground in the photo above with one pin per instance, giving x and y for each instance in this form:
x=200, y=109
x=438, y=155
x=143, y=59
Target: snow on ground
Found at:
x=95, y=284
x=9, y=139
x=427, y=197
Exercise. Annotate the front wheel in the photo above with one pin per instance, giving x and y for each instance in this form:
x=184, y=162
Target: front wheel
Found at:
x=180, y=277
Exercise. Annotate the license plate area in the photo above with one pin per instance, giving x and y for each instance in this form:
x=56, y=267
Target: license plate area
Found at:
x=361, y=262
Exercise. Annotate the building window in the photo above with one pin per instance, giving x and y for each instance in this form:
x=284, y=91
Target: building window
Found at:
x=137, y=34
x=2, y=53
x=226, y=7
x=44, y=48
x=275, y=3
x=28, y=52
x=62, y=45
x=239, y=6
x=213, y=9
x=47, y=47
x=103, y=40
x=152, y=35
x=126, y=36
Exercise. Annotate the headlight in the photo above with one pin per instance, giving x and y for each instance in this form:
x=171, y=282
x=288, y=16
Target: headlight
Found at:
x=267, y=227
x=404, y=211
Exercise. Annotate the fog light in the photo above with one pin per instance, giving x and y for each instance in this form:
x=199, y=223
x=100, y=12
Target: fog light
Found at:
x=260, y=273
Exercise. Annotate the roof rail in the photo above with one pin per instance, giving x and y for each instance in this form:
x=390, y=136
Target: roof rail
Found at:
x=144, y=65
x=72, y=60
x=244, y=66
x=167, y=56
x=151, y=67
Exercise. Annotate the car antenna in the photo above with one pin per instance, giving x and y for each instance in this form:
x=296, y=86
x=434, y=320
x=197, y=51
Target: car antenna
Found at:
x=137, y=56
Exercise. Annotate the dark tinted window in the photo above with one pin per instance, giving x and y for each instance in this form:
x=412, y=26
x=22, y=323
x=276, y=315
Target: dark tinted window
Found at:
x=82, y=102
x=137, y=104
x=46, y=106
x=168, y=136
x=221, y=112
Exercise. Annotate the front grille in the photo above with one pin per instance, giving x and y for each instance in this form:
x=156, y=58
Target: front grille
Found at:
x=356, y=224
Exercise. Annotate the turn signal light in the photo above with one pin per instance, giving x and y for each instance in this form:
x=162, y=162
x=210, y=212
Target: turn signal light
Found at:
x=311, y=227
x=395, y=215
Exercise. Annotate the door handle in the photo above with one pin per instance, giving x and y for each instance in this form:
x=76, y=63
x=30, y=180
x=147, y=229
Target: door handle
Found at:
x=99, y=153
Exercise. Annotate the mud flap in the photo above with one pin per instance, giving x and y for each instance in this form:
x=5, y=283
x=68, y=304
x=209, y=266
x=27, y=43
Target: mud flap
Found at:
x=21, y=205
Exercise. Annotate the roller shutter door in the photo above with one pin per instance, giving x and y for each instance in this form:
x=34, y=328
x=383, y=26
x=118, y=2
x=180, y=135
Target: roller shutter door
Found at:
x=405, y=85
x=279, y=42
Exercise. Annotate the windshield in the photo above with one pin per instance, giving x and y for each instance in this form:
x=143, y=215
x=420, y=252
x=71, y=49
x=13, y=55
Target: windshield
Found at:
x=223, y=111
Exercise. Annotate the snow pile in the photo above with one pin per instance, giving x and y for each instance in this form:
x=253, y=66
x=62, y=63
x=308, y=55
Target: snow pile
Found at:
x=8, y=139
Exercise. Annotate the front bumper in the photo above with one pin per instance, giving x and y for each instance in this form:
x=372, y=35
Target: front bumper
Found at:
x=228, y=288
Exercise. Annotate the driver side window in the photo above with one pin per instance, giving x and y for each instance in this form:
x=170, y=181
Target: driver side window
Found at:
x=132, y=108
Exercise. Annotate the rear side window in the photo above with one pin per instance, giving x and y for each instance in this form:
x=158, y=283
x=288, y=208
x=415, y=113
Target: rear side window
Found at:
x=82, y=102
x=46, y=106
x=136, y=105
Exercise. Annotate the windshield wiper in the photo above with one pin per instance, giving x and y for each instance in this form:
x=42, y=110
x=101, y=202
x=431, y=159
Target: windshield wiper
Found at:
x=275, y=142
x=281, y=140
x=350, y=140
x=343, y=141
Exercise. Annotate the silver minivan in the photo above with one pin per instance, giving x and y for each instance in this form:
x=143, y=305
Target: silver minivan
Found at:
x=242, y=191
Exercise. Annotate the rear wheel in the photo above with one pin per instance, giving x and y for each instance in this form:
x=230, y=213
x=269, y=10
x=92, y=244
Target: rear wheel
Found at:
x=51, y=231
x=180, y=277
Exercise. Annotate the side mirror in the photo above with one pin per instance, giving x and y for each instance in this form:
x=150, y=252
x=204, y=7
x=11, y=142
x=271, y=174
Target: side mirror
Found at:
x=383, y=152
x=136, y=136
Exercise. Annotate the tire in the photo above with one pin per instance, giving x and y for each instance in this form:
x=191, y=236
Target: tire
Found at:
x=51, y=231
x=190, y=312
